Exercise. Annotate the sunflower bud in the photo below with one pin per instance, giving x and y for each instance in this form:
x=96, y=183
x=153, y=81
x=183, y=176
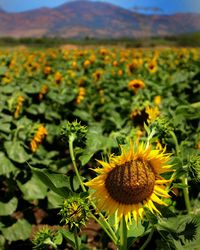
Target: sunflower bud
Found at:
x=162, y=127
x=44, y=238
x=75, y=130
x=75, y=212
x=194, y=166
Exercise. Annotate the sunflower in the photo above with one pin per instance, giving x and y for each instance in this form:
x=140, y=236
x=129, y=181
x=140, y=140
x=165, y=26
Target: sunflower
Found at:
x=136, y=84
x=130, y=182
x=152, y=66
x=157, y=100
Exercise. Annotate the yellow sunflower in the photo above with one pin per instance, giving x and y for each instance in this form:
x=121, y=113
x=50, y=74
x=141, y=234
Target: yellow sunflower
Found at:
x=135, y=85
x=153, y=66
x=131, y=181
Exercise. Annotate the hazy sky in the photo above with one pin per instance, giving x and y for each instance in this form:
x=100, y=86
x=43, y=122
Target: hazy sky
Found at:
x=167, y=6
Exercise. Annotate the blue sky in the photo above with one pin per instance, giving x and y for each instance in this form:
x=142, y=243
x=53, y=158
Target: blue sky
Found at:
x=167, y=6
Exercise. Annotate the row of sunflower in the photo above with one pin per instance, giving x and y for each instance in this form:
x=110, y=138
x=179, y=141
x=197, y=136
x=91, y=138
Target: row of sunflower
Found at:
x=116, y=93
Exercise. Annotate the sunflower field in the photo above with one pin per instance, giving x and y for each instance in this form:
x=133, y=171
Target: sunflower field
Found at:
x=100, y=148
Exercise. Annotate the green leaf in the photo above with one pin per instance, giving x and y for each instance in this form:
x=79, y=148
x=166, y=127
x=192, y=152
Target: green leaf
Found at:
x=83, y=115
x=3, y=70
x=95, y=142
x=179, y=76
x=2, y=242
x=54, y=200
x=68, y=236
x=6, y=166
x=58, y=183
x=5, y=127
x=33, y=189
x=135, y=230
x=58, y=239
x=21, y=230
x=9, y=207
x=16, y=151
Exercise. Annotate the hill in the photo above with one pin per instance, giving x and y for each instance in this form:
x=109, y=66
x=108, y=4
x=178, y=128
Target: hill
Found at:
x=80, y=19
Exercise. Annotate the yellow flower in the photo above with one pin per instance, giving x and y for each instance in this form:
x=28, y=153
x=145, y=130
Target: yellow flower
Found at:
x=152, y=66
x=57, y=77
x=115, y=63
x=120, y=72
x=86, y=63
x=136, y=84
x=103, y=51
x=74, y=64
x=159, y=146
x=136, y=63
x=47, y=70
x=38, y=138
x=152, y=113
x=129, y=182
x=81, y=95
x=97, y=75
x=20, y=101
x=157, y=100
x=43, y=91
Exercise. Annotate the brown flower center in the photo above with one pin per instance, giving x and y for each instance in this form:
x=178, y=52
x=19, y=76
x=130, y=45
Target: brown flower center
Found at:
x=137, y=85
x=131, y=183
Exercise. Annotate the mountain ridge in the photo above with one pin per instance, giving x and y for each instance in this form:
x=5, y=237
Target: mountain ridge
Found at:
x=78, y=19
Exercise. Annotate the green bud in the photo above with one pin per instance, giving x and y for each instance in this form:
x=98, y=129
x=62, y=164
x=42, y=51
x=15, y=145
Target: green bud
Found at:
x=194, y=166
x=75, y=212
x=43, y=238
x=74, y=130
x=162, y=127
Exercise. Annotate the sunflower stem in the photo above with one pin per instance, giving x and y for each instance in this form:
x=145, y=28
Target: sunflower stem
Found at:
x=108, y=231
x=108, y=228
x=175, y=142
x=186, y=194
x=71, y=150
x=123, y=234
x=76, y=240
x=147, y=240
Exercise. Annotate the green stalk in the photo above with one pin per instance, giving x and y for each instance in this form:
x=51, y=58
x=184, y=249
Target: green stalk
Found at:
x=71, y=150
x=184, y=179
x=186, y=194
x=76, y=239
x=109, y=232
x=108, y=229
x=123, y=234
x=147, y=240
x=175, y=142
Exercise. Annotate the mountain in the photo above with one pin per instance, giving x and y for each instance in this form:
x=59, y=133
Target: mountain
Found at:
x=93, y=19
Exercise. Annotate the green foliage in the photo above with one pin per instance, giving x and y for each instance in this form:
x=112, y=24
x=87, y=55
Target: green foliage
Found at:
x=181, y=232
x=46, y=237
x=58, y=183
x=20, y=230
x=40, y=88
x=8, y=207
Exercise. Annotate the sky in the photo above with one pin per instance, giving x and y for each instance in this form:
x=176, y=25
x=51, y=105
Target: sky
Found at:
x=164, y=6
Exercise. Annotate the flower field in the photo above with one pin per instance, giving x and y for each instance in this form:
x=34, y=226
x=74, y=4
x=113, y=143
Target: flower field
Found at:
x=77, y=120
